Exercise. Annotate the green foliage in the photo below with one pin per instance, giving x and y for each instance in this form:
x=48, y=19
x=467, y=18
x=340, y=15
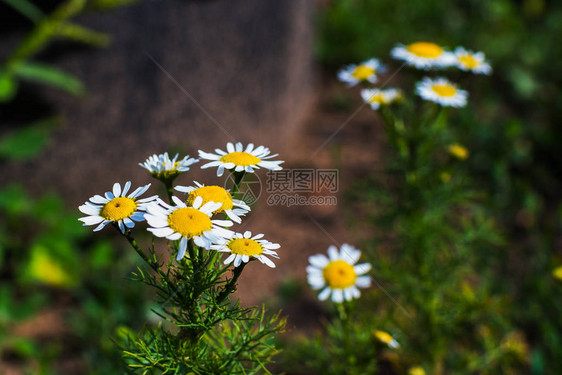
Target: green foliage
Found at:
x=28, y=142
x=512, y=131
x=48, y=75
x=42, y=263
x=347, y=347
x=433, y=241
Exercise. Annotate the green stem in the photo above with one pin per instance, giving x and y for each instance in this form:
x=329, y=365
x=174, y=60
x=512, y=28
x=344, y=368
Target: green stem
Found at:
x=45, y=30
x=153, y=264
x=343, y=315
x=191, y=250
x=238, y=176
x=231, y=285
x=169, y=189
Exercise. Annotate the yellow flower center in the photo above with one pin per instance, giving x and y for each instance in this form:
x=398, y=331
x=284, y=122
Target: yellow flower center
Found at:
x=378, y=98
x=383, y=337
x=189, y=222
x=118, y=208
x=362, y=72
x=468, y=61
x=425, y=49
x=458, y=151
x=240, y=158
x=339, y=274
x=444, y=90
x=215, y=194
x=245, y=246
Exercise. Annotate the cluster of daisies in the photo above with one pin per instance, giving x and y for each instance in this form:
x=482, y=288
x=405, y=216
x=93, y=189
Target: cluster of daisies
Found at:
x=421, y=55
x=193, y=217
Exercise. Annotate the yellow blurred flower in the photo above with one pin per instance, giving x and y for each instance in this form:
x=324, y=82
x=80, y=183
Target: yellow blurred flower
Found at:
x=515, y=343
x=387, y=339
x=458, y=151
x=557, y=272
x=416, y=371
x=445, y=177
x=46, y=270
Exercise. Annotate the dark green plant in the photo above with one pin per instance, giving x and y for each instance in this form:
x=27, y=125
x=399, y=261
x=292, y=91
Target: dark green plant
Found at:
x=199, y=329
x=512, y=131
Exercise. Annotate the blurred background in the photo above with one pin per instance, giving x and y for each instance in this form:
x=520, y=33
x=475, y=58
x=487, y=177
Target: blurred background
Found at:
x=90, y=88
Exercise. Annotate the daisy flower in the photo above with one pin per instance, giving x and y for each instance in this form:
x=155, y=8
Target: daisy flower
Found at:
x=234, y=208
x=116, y=206
x=472, y=61
x=184, y=223
x=423, y=55
x=377, y=98
x=338, y=275
x=386, y=339
x=241, y=159
x=161, y=166
x=458, y=151
x=242, y=247
x=366, y=71
x=441, y=91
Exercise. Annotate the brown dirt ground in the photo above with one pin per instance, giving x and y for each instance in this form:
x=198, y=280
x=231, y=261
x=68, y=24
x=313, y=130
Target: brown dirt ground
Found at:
x=306, y=230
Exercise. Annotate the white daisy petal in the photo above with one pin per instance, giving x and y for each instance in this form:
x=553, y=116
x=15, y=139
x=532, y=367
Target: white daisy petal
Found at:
x=174, y=236
x=237, y=260
x=128, y=222
x=182, y=249
x=333, y=253
x=362, y=268
x=211, y=164
x=138, y=216
x=91, y=220
x=230, y=259
x=161, y=232
x=220, y=171
x=89, y=210
x=121, y=226
x=267, y=262
x=117, y=189
x=347, y=294
x=126, y=188
x=102, y=225
x=363, y=281
x=319, y=260
x=337, y=295
x=324, y=294
x=99, y=199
